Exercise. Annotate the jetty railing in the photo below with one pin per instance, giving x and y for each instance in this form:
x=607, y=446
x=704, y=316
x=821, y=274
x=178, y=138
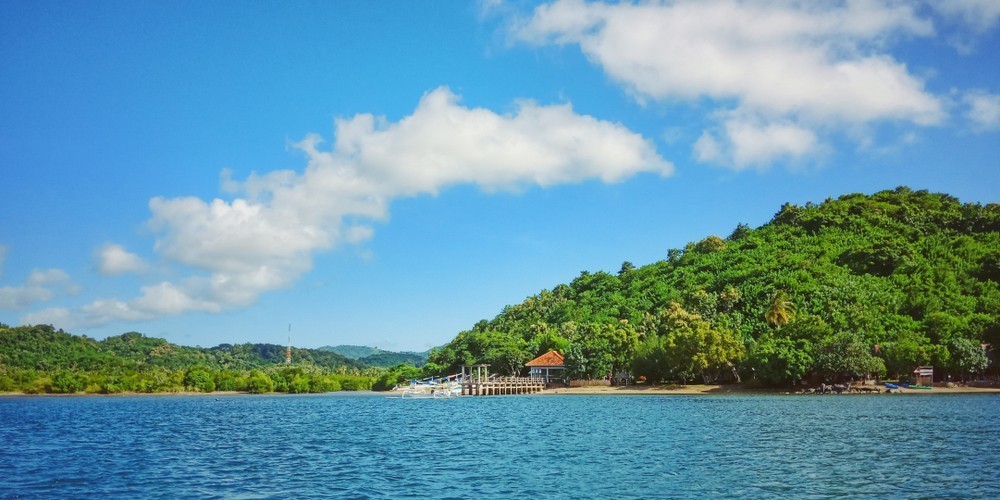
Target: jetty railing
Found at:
x=501, y=386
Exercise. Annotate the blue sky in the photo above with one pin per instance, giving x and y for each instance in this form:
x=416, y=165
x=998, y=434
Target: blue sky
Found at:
x=389, y=173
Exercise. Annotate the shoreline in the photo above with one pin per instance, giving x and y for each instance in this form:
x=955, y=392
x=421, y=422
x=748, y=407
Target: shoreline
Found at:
x=708, y=390
x=632, y=390
x=154, y=394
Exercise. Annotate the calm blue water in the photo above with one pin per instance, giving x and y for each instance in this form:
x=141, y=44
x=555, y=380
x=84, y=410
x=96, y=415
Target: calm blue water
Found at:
x=348, y=445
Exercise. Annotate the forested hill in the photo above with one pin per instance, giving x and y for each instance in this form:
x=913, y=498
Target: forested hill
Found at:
x=373, y=356
x=41, y=359
x=854, y=285
x=42, y=347
x=352, y=351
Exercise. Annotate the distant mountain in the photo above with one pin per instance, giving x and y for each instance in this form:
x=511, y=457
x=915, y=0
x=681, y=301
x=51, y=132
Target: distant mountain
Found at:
x=40, y=347
x=373, y=356
x=352, y=351
x=39, y=359
x=387, y=359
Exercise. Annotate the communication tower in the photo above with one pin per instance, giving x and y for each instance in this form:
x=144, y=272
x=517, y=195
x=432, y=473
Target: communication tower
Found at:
x=288, y=351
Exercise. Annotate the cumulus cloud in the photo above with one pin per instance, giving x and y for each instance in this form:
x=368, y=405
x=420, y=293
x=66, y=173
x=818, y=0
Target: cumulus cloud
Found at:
x=265, y=238
x=969, y=19
x=980, y=15
x=163, y=299
x=41, y=285
x=749, y=143
x=983, y=109
x=114, y=260
x=789, y=65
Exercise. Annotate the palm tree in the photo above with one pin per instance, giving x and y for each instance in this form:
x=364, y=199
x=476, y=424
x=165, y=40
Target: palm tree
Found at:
x=781, y=311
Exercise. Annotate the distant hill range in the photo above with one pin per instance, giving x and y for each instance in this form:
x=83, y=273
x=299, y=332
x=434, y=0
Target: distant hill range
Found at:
x=373, y=356
x=41, y=347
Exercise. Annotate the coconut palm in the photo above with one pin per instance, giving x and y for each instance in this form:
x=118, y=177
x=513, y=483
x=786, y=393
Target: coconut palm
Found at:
x=781, y=311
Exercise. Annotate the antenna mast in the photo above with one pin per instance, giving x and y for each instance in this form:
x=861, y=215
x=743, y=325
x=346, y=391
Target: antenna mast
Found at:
x=288, y=351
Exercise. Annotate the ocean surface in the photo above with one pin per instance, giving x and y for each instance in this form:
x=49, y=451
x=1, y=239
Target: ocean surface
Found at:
x=371, y=446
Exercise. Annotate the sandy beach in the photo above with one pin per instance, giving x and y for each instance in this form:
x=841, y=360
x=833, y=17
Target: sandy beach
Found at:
x=632, y=390
x=120, y=394
x=686, y=390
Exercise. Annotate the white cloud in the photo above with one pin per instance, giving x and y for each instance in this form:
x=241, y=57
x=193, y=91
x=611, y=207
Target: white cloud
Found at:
x=358, y=234
x=980, y=15
x=442, y=144
x=266, y=239
x=114, y=260
x=789, y=65
x=749, y=144
x=41, y=285
x=983, y=109
x=707, y=149
x=163, y=299
x=969, y=19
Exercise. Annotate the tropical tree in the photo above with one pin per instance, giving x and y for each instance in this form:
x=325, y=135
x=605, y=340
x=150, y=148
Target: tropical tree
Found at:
x=711, y=244
x=781, y=310
x=967, y=357
x=199, y=379
x=694, y=347
x=68, y=382
x=780, y=360
x=548, y=339
x=586, y=361
x=259, y=383
x=506, y=353
x=599, y=349
x=846, y=355
x=907, y=351
x=626, y=268
x=395, y=375
x=650, y=359
x=810, y=329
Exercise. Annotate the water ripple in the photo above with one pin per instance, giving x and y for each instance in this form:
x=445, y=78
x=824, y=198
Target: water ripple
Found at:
x=370, y=446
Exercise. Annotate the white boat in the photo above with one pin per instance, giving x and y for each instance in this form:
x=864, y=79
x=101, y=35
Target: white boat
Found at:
x=447, y=387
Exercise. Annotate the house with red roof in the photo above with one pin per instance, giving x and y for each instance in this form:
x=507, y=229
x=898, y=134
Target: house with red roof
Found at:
x=548, y=367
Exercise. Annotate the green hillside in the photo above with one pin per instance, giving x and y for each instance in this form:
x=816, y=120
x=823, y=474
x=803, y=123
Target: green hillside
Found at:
x=846, y=288
x=373, y=356
x=41, y=359
x=352, y=351
x=386, y=359
x=851, y=286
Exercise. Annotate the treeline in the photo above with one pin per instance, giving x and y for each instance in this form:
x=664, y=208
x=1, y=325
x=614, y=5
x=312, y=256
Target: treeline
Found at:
x=39, y=359
x=850, y=287
x=373, y=356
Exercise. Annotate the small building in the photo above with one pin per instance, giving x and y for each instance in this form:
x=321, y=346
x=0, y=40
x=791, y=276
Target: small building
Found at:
x=923, y=375
x=548, y=367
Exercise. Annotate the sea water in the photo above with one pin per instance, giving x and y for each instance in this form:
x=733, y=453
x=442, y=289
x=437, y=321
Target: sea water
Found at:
x=372, y=446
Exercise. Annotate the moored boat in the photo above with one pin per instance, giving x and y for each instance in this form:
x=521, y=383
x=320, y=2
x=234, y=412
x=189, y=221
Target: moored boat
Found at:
x=431, y=388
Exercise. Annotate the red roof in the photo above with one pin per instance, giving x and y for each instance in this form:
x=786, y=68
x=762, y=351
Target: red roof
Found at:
x=551, y=358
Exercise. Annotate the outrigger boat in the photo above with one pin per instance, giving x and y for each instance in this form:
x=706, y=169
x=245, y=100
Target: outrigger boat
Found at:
x=433, y=387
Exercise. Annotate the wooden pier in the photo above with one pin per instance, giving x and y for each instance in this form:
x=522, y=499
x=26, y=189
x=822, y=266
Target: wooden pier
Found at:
x=479, y=383
x=502, y=386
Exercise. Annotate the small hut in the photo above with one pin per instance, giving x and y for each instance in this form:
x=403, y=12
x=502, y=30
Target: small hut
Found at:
x=548, y=367
x=923, y=375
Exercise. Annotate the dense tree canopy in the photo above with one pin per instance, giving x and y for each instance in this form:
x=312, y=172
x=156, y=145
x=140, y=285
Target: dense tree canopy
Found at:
x=40, y=359
x=852, y=287
x=808, y=295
